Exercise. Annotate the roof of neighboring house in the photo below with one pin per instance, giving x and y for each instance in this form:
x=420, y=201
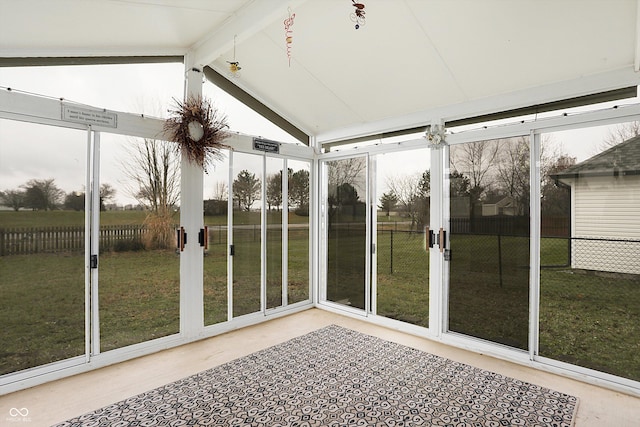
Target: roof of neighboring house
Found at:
x=499, y=200
x=621, y=159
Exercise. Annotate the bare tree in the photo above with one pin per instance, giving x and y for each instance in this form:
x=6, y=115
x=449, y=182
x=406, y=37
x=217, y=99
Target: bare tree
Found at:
x=152, y=167
x=405, y=189
x=412, y=194
x=513, y=172
x=475, y=160
x=220, y=191
x=618, y=134
x=347, y=171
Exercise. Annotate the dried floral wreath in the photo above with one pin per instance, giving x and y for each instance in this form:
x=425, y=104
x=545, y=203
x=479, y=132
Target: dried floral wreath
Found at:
x=199, y=130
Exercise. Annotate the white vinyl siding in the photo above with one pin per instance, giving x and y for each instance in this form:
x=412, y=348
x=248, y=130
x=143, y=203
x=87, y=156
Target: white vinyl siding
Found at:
x=606, y=208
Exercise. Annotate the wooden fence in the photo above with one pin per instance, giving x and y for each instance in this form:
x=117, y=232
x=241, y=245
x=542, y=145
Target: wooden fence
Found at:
x=33, y=240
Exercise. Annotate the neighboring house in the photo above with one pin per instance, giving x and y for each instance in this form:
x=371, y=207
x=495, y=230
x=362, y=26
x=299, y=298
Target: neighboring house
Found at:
x=503, y=206
x=605, y=209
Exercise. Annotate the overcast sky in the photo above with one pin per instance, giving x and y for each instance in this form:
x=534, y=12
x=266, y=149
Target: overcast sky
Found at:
x=30, y=151
x=33, y=151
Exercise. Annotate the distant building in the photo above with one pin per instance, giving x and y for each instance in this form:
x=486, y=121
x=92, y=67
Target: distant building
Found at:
x=605, y=209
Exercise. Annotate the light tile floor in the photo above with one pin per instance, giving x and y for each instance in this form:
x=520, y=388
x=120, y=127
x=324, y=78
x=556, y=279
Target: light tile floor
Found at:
x=63, y=399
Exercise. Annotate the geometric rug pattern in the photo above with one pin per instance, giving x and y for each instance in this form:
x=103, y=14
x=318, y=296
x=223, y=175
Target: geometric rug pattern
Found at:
x=339, y=377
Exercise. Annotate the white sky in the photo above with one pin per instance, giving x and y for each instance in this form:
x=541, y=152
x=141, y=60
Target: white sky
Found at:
x=149, y=89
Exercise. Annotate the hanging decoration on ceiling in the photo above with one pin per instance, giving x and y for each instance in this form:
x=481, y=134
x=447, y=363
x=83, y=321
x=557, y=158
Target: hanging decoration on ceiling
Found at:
x=436, y=135
x=198, y=128
x=234, y=66
x=288, y=33
x=357, y=15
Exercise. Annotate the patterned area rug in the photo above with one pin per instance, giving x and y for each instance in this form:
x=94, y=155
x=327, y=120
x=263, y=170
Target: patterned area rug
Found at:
x=338, y=377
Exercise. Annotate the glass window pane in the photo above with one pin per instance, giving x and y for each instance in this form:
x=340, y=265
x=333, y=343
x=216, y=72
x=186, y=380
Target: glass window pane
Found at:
x=346, y=231
x=247, y=229
x=298, y=229
x=42, y=250
x=404, y=195
x=139, y=269
x=590, y=248
x=489, y=239
x=274, y=168
x=216, y=200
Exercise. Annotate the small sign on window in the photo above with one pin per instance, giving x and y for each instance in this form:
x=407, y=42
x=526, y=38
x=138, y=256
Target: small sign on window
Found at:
x=266, y=145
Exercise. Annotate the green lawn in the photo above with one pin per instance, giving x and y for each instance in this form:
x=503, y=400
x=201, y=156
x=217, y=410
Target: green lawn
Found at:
x=591, y=321
x=403, y=277
x=11, y=219
x=42, y=304
x=586, y=319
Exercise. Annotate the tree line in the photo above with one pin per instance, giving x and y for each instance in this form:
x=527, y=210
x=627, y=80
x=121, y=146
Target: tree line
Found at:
x=45, y=195
x=482, y=172
x=247, y=189
x=490, y=171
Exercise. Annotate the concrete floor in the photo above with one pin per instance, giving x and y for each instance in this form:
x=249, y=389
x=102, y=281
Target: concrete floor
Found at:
x=63, y=399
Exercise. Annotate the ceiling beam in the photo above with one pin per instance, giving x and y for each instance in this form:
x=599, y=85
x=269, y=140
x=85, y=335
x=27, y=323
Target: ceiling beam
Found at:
x=87, y=60
x=246, y=22
x=223, y=83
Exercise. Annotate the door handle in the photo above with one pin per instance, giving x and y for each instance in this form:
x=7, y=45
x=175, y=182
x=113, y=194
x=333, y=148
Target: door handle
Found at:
x=430, y=237
x=203, y=237
x=181, y=238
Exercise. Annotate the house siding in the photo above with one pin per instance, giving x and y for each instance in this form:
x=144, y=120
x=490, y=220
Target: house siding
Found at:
x=607, y=210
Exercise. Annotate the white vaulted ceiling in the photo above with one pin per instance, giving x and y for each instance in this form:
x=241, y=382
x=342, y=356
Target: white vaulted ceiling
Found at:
x=411, y=62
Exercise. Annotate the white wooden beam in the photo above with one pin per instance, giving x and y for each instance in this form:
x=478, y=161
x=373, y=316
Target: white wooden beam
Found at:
x=22, y=106
x=247, y=22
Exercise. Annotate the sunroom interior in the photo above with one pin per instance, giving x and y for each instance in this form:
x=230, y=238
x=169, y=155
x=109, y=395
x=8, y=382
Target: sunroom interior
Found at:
x=427, y=176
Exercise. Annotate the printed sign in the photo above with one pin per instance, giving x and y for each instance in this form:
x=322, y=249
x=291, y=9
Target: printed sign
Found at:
x=266, y=145
x=72, y=113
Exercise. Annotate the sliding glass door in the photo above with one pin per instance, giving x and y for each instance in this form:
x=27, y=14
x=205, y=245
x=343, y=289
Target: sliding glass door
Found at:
x=346, y=228
x=489, y=240
x=270, y=232
x=43, y=261
x=139, y=281
x=403, y=196
x=247, y=233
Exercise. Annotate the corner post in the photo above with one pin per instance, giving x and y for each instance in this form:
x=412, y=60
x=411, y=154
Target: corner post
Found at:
x=191, y=218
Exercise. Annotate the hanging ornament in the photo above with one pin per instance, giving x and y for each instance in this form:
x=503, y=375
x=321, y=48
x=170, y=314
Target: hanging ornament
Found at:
x=288, y=33
x=357, y=15
x=234, y=66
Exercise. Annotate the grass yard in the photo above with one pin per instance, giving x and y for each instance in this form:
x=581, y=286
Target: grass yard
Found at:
x=403, y=277
x=588, y=319
x=591, y=321
x=489, y=288
x=41, y=310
